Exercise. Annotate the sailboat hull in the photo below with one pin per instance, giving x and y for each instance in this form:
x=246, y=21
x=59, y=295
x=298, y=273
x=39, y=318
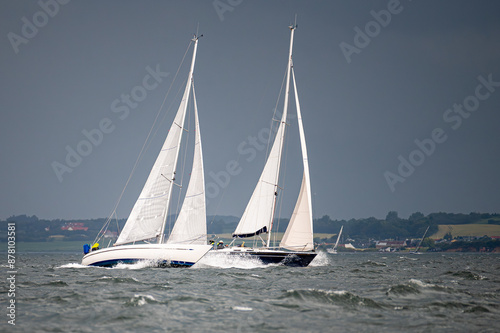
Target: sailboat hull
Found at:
x=162, y=255
x=270, y=256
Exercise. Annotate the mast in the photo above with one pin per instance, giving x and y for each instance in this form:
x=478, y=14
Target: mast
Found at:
x=181, y=126
x=283, y=123
x=419, y=244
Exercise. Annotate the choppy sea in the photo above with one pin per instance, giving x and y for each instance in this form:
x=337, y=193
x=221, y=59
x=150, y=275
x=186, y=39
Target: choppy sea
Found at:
x=346, y=292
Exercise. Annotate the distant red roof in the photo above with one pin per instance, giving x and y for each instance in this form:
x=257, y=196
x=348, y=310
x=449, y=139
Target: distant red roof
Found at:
x=74, y=226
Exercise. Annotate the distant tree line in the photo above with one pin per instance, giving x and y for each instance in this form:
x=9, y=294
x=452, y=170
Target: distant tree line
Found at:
x=30, y=228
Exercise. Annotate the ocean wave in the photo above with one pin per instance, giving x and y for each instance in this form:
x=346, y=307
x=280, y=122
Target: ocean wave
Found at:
x=140, y=300
x=56, y=283
x=421, y=283
x=372, y=264
x=335, y=297
x=464, y=307
x=113, y=279
x=403, y=289
x=468, y=275
x=73, y=265
x=415, y=286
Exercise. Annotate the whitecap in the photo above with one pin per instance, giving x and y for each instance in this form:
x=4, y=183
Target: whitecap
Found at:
x=320, y=260
x=421, y=283
x=73, y=265
x=223, y=260
x=242, y=308
x=141, y=300
x=138, y=265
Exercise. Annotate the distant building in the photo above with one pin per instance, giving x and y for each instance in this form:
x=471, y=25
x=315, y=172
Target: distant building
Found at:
x=72, y=226
x=391, y=244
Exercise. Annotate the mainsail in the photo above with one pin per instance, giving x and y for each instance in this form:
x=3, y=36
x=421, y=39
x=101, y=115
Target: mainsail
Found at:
x=191, y=224
x=299, y=233
x=259, y=213
x=148, y=216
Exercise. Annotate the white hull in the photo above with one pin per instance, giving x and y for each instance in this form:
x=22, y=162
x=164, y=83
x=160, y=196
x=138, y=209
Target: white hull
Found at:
x=163, y=254
x=272, y=256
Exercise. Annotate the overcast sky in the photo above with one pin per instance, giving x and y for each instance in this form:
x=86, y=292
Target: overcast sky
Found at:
x=400, y=101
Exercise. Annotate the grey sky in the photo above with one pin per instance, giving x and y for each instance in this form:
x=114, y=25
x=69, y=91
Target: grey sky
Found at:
x=361, y=111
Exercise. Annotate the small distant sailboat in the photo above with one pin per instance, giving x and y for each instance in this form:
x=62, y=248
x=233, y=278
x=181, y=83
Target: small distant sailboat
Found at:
x=143, y=236
x=333, y=250
x=420, y=243
x=297, y=246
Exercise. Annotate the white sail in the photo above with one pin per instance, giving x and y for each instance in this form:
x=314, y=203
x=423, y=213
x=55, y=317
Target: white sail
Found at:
x=191, y=224
x=260, y=209
x=338, y=238
x=299, y=233
x=259, y=213
x=148, y=216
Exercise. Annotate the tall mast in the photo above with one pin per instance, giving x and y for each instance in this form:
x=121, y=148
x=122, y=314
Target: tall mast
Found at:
x=181, y=126
x=283, y=121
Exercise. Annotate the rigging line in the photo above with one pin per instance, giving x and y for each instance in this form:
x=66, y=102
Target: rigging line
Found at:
x=141, y=153
x=117, y=224
x=273, y=119
x=181, y=88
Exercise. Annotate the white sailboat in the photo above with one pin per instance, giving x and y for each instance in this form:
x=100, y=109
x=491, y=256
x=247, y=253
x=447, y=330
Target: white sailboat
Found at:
x=420, y=243
x=333, y=250
x=143, y=236
x=297, y=246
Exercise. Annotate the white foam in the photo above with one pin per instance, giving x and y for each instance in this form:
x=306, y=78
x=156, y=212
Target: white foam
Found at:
x=242, y=308
x=224, y=260
x=321, y=259
x=323, y=291
x=138, y=265
x=141, y=299
x=73, y=265
x=421, y=283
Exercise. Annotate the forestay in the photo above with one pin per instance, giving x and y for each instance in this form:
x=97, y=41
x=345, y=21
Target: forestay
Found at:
x=191, y=225
x=299, y=233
